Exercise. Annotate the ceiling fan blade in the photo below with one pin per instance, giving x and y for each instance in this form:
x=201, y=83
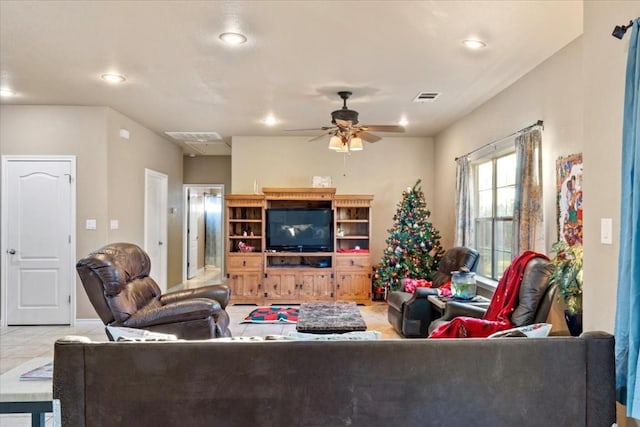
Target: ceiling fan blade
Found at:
x=320, y=128
x=315, y=138
x=383, y=128
x=369, y=137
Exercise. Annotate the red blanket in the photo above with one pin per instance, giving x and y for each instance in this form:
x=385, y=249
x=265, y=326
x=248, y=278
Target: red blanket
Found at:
x=498, y=315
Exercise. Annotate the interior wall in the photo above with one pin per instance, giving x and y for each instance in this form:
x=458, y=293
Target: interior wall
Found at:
x=61, y=130
x=127, y=161
x=605, y=62
x=383, y=169
x=208, y=170
x=552, y=92
x=110, y=174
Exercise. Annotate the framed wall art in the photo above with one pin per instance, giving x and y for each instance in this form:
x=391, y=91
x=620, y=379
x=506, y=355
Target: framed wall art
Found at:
x=569, y=188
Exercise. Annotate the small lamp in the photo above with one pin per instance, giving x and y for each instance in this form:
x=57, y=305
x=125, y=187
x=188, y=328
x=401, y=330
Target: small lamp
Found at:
x=344, y=148
x=335, y=143
x=356, y=144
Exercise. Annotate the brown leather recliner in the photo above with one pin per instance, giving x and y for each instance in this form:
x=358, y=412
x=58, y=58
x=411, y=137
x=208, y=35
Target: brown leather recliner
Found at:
x=116, y=279
x=411, y=313
x=535, y=299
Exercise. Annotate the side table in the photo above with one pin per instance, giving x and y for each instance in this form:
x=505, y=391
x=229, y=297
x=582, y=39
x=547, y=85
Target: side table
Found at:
x=439, y=303
x=34, y=396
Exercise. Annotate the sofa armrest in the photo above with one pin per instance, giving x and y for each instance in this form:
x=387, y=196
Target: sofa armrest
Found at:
x=219, y=293
x=458, y=308
x=422, y=292
x=181, y=311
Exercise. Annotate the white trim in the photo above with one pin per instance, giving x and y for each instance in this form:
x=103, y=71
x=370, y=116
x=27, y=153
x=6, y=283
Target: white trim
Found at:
x=162, y=280
x=3, y=231
x=89, y=322
x=486, y=283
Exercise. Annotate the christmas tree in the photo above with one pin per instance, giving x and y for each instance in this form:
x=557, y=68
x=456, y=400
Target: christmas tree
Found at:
x=413, y=247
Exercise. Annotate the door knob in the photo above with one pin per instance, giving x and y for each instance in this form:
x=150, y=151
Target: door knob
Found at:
x=11, y=251
x=160, y=243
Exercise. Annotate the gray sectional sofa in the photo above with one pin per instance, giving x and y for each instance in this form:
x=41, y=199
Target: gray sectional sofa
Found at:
x=553, y=381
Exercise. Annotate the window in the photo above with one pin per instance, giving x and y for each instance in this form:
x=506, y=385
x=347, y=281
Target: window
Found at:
x=495, y=183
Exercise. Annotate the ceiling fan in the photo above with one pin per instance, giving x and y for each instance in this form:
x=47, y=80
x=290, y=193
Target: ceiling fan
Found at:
x=347, y=133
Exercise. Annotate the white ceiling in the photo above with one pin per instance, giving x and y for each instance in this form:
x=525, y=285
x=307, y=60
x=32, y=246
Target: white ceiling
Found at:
x=181, y=77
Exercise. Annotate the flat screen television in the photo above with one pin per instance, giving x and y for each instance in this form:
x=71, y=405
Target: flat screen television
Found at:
x=299, y=230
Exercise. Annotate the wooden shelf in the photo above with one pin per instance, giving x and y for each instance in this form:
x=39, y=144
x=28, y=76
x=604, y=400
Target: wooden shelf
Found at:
x=263, y=277
x=309, y=254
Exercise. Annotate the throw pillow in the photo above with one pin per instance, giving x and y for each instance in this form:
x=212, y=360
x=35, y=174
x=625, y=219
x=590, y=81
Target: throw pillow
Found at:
x=410, y=285
x=537, y=330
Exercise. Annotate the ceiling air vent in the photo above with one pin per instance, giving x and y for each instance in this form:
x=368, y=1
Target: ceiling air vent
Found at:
x=426, y=97
x=205, y=143
x=195, y=137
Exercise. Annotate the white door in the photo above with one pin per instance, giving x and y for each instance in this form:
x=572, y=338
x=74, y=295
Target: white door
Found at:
x=155, y=225
x=38, y=210
x=192, y=233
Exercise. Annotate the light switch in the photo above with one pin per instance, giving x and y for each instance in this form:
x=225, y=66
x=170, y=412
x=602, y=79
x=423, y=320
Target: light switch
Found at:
x=91, y=224
x=114, y=224
x=606, y=231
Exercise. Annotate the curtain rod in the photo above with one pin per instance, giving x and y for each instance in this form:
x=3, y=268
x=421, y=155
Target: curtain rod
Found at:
x=619, y=30
x=525, y=129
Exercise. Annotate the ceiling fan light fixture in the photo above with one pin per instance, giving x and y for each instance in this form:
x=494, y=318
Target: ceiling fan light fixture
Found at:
x=344, y=148
x=356, y=144
x=403, y=121
x=335, y=143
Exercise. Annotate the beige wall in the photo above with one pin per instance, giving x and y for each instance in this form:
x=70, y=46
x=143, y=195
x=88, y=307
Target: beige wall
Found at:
x=383, y=169
x=605, y=59
x=552, y=92
x=127, y=162
x=208, y=170
x=579, y=93
x=110, y=173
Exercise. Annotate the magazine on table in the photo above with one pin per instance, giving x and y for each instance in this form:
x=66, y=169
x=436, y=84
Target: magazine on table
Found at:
x=44, y=372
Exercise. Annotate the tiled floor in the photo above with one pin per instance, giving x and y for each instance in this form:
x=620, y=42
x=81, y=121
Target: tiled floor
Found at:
x=18, y=344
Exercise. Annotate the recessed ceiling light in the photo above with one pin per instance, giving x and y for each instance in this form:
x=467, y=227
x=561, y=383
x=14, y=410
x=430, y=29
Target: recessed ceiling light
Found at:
x=113, y=78
x=6, y=92
x=474, y=44
x=403, y=121
x=233, y=38
x=270, y=120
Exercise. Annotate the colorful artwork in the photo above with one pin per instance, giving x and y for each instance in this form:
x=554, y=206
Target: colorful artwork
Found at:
x=569, y=185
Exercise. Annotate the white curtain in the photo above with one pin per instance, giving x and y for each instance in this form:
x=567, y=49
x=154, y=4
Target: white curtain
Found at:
x=528, y=226
x=464, y=233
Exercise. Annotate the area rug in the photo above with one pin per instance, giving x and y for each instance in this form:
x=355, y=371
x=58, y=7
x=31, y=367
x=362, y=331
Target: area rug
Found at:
x=272, y=314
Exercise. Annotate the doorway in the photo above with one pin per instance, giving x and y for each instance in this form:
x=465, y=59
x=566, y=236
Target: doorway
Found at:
x=203, y=260
x=155, y=224
x=38, y=240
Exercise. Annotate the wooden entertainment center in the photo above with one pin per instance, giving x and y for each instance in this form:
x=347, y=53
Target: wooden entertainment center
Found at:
x=256, y=274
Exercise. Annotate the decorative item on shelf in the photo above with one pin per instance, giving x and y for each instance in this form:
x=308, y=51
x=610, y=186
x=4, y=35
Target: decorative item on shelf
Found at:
x=243, y=247
x=567, y=273
x=340, y=232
